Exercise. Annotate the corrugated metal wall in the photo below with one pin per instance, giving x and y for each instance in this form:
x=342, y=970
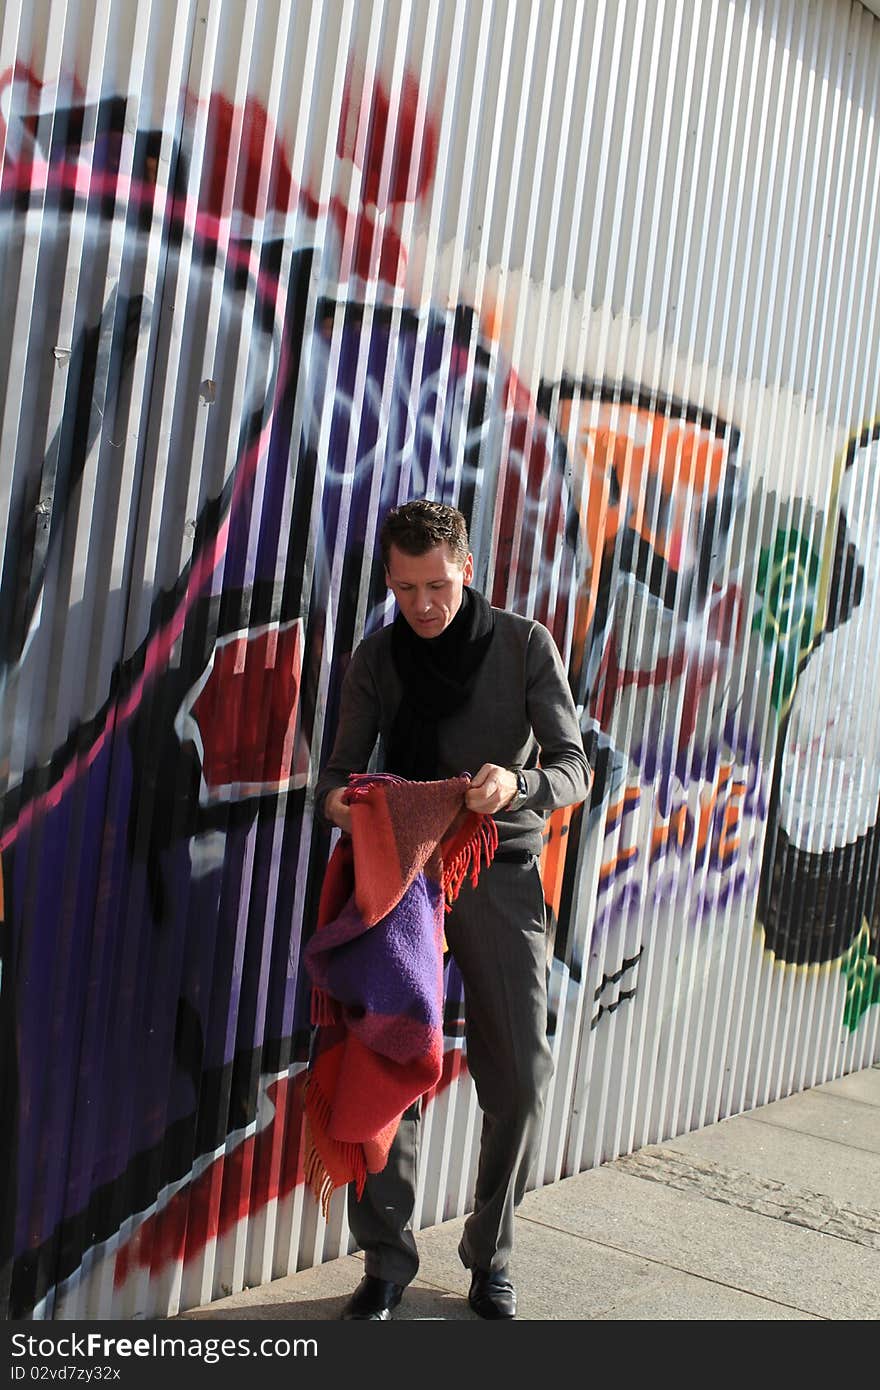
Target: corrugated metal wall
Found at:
x=606, y=276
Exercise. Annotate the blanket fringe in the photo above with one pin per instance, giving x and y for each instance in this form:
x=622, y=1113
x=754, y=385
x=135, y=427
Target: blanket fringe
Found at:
x=476, y=854
x=318, y=1180
x=348, y=1156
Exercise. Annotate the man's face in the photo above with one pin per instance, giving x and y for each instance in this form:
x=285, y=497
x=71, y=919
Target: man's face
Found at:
x=428, y=587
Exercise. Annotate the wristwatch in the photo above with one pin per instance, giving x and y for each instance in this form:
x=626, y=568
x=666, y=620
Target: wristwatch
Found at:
x=522, y=790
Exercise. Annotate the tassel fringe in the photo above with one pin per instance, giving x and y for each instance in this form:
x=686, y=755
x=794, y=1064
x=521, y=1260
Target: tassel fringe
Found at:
x=348, y=1157
x=318, y=1180
x=475, y=855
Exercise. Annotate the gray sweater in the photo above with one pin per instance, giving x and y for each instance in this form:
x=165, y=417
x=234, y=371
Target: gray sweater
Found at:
x=520, y=710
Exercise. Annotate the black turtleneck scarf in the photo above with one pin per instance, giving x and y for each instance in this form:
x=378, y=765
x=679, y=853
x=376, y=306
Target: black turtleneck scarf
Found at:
x=437, y=675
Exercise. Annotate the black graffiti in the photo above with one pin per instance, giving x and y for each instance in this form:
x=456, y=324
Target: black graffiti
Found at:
x=624, y=995
x=811, y=904
x=628, y=963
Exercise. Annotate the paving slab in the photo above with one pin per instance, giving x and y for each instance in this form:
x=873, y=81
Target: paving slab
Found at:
x=803, y=1269
x=789, y=1156
x=690, y=1172
x=317, y=1293
x=684, y=1298
x=558, y=1276
x=862, y=1086
x=828, y=1116
x=562, y=1277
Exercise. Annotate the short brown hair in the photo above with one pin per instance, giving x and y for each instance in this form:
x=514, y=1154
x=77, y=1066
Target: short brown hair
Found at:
x=418, y=526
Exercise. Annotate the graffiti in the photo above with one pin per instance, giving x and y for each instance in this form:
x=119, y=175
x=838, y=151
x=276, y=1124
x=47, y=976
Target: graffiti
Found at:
x=173, y=800
x=785, y=615
x=820, y=872
x=660, y=486
x=157, y=807
x=394, y=150
x=241, y=715
x=703, y=833
x=209, y=431
x=657, y=483
x=696, y=790
x=622, y=995
x=861, y=970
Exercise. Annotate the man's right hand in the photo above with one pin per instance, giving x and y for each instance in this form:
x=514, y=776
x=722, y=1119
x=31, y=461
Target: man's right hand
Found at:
x=337, y=810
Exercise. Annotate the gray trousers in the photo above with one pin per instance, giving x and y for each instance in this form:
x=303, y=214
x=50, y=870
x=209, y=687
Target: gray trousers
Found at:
x=496, y=934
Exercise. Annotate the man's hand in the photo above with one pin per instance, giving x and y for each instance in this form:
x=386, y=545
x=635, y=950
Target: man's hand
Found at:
x=336, y=809
x=491, y=789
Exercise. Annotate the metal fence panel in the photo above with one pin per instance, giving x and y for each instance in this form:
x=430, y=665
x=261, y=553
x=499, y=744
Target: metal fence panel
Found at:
x=604, y=275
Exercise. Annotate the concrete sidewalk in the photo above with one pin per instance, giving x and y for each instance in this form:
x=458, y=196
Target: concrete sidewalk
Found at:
x=773, y=1214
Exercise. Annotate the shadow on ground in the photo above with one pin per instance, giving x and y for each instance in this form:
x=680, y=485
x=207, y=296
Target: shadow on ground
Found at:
x=421, y=1303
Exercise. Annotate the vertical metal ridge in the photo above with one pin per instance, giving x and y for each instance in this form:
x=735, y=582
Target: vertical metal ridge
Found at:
x=766, y=1039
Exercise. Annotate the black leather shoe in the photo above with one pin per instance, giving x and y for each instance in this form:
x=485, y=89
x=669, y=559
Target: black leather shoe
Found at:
x=372, y=1300
x=492, y=1295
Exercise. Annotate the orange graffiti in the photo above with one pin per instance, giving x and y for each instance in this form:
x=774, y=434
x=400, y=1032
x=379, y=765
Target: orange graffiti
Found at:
x=636, y=469
x=552, y=863
x=708, y=802
x=714, y=828
x=675, y=829
x=717, y=823
x=631, y=798
x=728, y=841
x=623, y=858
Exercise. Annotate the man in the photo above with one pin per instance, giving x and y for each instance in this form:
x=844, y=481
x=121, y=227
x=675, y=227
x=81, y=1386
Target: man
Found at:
x=454, y=685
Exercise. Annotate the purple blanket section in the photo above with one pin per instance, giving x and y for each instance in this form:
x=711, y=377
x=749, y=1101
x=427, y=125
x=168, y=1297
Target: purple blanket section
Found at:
x=388, y=969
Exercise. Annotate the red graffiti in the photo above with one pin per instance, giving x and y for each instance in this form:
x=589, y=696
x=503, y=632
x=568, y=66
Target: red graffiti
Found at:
x=20, y=122
x=389, y=137
x=393, y=142
x=697, y=668
x=264, y=1166
x=396, y=157
x=242, y=713
x=245, y=165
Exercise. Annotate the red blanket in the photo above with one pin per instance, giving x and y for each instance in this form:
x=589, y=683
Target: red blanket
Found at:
x=376, y=965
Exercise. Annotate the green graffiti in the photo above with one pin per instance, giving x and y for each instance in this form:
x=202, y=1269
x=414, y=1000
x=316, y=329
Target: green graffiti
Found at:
x=787, y=582
x=861, y=970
